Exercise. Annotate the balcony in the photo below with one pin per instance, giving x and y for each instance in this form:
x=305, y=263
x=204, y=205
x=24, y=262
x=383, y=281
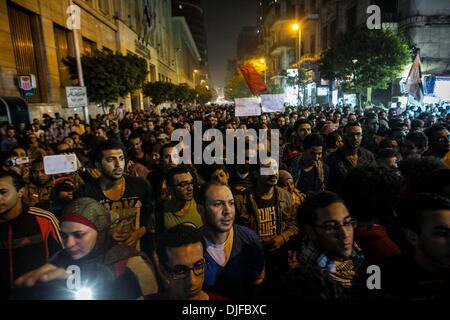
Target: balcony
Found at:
x=279, y=46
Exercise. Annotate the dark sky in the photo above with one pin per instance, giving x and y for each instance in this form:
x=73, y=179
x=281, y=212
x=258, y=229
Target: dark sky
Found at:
x=223, y=21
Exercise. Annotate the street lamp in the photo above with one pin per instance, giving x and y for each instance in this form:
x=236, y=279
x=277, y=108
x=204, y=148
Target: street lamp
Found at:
x=296, y=27
x=193, y=76
x=355, y=61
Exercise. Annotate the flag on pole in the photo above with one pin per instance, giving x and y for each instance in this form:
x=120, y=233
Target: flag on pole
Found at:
x=254, y=80
x=414, y=81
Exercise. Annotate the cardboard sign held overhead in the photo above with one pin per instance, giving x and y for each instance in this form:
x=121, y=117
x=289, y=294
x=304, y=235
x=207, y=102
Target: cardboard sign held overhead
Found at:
x=272, y=102
x=247, y=107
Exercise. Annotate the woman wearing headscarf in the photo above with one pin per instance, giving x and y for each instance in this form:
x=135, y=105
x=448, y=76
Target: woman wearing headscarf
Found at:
x=98, y=264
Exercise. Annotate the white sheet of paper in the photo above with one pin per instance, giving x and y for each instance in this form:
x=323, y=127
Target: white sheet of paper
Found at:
x=273, y=102
x=247, y=107
x=64, y=163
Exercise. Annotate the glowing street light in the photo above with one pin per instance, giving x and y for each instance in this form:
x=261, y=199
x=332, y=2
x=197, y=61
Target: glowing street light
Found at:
x=193, y=76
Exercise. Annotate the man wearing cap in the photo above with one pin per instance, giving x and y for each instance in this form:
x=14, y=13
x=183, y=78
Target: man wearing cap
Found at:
x=61, y=195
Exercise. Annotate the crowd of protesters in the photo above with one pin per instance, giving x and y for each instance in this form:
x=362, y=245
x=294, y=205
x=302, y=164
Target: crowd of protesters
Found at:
x=353, y=188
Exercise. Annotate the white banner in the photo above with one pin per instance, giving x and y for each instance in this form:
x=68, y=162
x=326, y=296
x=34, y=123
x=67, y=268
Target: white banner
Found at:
x=247, y=107
x=273, y=102
x=76, y=97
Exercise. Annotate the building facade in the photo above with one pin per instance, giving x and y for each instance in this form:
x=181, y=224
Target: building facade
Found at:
x=35, y=40
x=426, y=24
x=192, y=11
x=187, y=57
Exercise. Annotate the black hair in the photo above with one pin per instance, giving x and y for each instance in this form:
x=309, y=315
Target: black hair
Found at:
x=111, y=144
x=414, y=169
x=387, y=153
x=313, y=140
x=419, y=139
x=182, y=168
x=331, y=139
x=17, y=179
x=432, y=131
x=167, y=146
x=175, y=237
x=134, y=135
x=216, y=167
x=351, y=124
x=300, y=122
x=306, y=213
x=410, y=210
x=371, y=192
x=436, y=182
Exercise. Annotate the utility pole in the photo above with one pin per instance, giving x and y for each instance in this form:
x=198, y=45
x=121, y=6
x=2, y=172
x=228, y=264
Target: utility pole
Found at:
x=79, y=66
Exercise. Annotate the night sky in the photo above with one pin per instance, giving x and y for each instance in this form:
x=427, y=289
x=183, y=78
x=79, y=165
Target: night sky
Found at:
x=223, y=21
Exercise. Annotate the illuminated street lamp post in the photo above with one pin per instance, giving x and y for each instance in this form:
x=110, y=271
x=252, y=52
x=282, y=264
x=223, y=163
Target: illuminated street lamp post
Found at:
x=193, y=76
x=296, y=27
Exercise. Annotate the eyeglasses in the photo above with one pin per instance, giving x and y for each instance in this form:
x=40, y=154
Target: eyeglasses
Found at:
x=333, y=228
x=443, y=139
x=181, y=271
x=185, y=184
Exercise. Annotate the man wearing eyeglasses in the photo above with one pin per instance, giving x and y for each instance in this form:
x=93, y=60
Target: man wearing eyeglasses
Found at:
x=234, y=254
x=180, y=252
x=329, y=262
x=350, y=156
x=181, y=208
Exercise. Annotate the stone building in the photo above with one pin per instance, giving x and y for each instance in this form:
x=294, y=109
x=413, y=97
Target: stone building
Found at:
x=35, y=40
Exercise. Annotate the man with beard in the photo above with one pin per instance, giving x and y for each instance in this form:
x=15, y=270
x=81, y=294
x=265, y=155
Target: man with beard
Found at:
x=28, y=236
x=269, y=211
x=181, y=208
x=170, y=159
x=438, y=142
x=234, y=254
x=350, y=156
x=40, y=186
x=136, y=154
x=127, y=198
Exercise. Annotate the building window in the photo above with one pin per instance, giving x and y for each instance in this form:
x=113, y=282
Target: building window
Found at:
x=64, y=49
x=325, y=37
x=351, y=18
x=104, y=6
x=89, y=47
x=313, y=44
x=313, y=6
x=26, y=45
